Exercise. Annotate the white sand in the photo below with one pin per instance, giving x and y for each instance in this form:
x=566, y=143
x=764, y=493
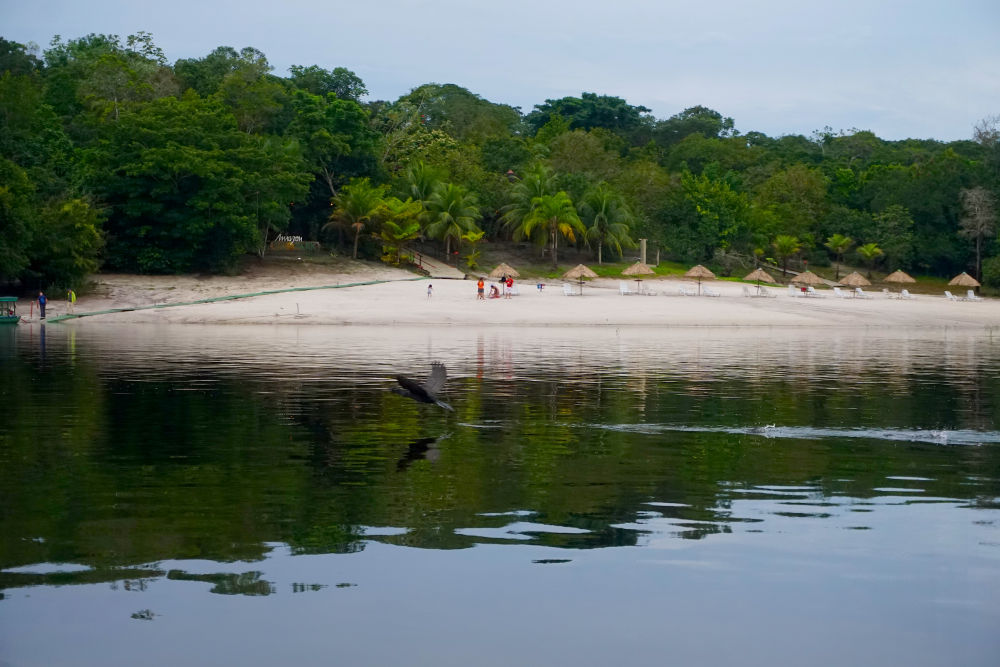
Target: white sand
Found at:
x=404, y=302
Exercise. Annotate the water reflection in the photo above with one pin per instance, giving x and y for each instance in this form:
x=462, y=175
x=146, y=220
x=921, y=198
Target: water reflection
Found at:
x=171, y=458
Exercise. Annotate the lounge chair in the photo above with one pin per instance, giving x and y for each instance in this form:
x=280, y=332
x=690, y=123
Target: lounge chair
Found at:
x=888, y=294
x=766, y=293
x=811, y=291
x=683, y=291
x=746, y=291
x=624, y=289
x=568, y=290
x=794, y=291
x=905, y=294
x=860, y=293
x=951, y=297
x=708, y=291
x=972, y=296
x=839, y=293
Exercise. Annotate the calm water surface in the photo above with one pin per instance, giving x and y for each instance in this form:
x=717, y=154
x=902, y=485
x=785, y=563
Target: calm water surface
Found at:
x=256, y=496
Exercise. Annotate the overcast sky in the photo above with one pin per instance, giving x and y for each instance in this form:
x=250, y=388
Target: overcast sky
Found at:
x=901, y=68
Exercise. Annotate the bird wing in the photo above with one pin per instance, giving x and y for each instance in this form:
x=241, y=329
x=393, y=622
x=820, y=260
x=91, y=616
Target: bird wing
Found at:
x=435, y=382
x=412, y=389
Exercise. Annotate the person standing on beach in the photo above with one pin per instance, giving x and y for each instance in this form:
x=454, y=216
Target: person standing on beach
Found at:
x=430, y=290
x=479, y=290
x=509, y=287
x=41, y=304
x=71, y=301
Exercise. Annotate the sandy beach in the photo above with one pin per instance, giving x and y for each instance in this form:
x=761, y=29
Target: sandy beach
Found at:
x=401, y=299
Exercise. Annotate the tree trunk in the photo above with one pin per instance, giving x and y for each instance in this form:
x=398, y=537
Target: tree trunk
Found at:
x=357, y=235
x=979, y=264
x=599, y=245
x=555, y=243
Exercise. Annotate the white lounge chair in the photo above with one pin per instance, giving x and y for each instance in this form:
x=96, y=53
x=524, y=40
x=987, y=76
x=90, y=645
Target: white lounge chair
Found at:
x=972, y=296
x=951, y=297
x=746, y=291
x=794, y=291
x=860, y=293
x=624, y=289
x=888, y=294
x=568, y=290
x=683, y=291
x=839, y=293
x=905, y=294
x=766, y=293
x=811, y=291
x=708, y=291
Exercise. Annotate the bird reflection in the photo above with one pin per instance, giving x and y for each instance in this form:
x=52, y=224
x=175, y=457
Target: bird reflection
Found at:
x=419, y=450
x=427, y=391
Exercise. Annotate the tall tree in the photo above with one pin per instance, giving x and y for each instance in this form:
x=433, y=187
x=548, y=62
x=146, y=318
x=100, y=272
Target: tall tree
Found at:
x=785, y=247
x=870, y=252
x=340, y=81
x=607, y=218
x=356, y=206
x=979, y=220
x=452, y=212
x=838, y=244
x=551, y=216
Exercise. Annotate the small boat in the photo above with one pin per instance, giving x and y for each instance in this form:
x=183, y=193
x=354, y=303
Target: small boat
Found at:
x=8, y=310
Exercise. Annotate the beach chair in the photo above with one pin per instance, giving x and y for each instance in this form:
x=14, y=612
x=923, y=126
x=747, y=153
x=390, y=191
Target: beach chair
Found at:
x=839, y=293
x=972, y=296
x=794, y=291
x=568, y=290
x=766, y=293
x=624, y=289
x=905, y=294
x=951, y=297
x=811, y=291
x=888, y=294
x=860, y=293
x=746, y=291
x=708, y=291
x=683, y=291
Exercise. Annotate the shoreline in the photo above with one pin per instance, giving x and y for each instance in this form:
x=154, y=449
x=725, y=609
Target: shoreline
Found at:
x=383, y=296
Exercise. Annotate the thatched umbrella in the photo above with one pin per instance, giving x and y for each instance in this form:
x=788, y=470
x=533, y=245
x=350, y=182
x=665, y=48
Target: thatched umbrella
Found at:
x=964, y=280
x=807, y=278
x=638, y=269
x=759, y=274
x=899, y=277
x=699, y=273
x=504, y=269
x=579, y=272
x=855, y=280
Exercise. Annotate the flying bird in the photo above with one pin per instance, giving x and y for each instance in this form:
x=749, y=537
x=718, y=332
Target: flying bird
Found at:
x=426, y=392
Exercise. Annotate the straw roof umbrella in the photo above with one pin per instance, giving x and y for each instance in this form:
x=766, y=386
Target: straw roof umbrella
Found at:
x=699, y=273
x=638, y=269
x=579, y=272
x=807, y=278
x=899, y=277
x=855, y=280
x=759, y=274
x=964, y=280
x=504, y=269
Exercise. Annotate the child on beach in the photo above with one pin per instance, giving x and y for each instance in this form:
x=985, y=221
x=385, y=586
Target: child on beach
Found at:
x=479, y=290
x=430, y=290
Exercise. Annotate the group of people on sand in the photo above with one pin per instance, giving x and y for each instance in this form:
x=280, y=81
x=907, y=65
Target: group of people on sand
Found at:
x=506, y=282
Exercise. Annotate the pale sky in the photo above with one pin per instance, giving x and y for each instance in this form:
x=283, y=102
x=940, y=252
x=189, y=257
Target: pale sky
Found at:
x=901, y=68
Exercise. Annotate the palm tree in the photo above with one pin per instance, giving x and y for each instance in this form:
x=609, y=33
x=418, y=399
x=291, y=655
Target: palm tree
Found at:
x=538, y=181
x=607, y=218
x=838, y=245
x=870, y=252
x=356, y=205
x=551, y=216
x=785, y=247
x=400, y=225
x=422, y=180
x=451, y=212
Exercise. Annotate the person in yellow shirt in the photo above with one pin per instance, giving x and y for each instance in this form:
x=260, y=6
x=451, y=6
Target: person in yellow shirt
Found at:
x=71, y=301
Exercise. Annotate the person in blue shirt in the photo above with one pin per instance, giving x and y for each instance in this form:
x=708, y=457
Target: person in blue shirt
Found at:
x=41, y=304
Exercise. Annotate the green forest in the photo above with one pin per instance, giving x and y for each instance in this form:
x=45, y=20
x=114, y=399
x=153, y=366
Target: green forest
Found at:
x=113, y=159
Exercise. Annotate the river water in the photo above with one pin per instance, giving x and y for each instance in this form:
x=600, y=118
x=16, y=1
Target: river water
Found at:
x=257, y=496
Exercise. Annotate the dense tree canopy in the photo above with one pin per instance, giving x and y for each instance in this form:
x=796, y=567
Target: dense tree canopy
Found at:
x=113, y=156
